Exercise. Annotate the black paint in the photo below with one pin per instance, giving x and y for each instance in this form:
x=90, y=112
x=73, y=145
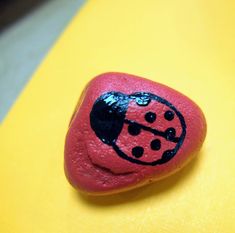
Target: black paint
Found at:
x=169, y=115
x=134, y=129
x=107, y=118
x=137, y=151
x=170, y=134
x=167, y=134
x=155, y=144
x=167, y=155
x=142, y=99
x=150, y=117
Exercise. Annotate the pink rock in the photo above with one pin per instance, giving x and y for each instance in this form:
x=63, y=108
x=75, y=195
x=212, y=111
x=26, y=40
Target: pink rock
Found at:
x=128, y=131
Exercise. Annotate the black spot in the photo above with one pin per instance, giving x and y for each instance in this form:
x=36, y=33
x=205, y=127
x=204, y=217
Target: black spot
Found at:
x=134, y=129
x=150, y=117
x=169, y=115
x=155, y=144
x=137, y=151
x=167, y=155
x=170, y=133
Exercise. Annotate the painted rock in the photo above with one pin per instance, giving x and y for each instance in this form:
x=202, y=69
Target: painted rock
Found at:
x=128, y=131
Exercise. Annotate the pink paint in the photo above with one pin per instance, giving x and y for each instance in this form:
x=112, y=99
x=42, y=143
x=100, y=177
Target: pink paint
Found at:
x=94, y=167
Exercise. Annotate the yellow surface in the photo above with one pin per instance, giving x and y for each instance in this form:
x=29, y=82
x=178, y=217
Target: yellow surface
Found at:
x=188, y=45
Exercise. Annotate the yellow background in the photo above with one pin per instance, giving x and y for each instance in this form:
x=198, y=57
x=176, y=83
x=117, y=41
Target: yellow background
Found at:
x=188, y=45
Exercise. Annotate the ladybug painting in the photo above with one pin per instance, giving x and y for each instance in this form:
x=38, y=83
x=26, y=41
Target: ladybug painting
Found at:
x=128, y=131
x=108, y=117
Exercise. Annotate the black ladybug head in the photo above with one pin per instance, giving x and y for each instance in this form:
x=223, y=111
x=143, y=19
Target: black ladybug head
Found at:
x=107, y=116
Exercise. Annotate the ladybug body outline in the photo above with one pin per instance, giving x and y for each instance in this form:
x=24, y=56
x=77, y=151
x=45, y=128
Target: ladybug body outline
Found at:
x=107, y=118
